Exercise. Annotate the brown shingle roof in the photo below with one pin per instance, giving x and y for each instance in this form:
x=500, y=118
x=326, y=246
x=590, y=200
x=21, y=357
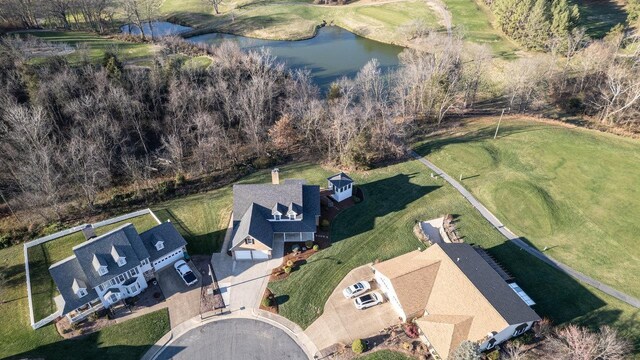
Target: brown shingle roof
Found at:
x=463, y=296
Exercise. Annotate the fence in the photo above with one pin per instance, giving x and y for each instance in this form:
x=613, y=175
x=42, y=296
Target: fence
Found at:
x=42, y=240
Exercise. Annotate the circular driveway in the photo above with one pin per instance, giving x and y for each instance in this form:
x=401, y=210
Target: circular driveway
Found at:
x=234, y=339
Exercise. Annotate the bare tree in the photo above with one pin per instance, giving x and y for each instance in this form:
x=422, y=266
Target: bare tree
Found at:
x=215, y=4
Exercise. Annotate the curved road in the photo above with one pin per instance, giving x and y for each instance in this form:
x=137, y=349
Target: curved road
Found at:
x=245, y=339
x=526, y=247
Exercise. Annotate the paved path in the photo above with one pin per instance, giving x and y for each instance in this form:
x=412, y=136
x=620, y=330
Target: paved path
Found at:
x=234, y=339
x=523, y=245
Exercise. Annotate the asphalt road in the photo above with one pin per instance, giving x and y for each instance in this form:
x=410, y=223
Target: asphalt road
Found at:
x=244, y=339
x=524, y=246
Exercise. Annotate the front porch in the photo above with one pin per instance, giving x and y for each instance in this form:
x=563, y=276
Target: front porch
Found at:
x=85, y=310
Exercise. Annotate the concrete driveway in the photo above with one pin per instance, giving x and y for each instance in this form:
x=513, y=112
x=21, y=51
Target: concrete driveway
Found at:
x=342, y=322
x=234, y=339
x=183, y=301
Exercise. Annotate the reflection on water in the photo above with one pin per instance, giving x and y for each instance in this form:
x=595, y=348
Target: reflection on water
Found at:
x=333, y=53
x=160, y=28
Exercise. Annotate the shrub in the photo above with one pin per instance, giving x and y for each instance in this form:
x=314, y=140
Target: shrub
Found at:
x=358, y=346
x=290, y=263
x=165, y=187
x=494, y=355
x=325, y=223
x=316, y=247
x=308, y=244
x=407, y=346
x=180, y=179
x=411, y=330
x=356, y=199
x=295, y=248
x=263, y=162
x=52, y=228
x=287, y=269
x=267, y=302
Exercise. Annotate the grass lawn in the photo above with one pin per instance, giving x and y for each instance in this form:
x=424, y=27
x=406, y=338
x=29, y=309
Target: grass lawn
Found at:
x=97, y=45
x=385, y=355
x=474, y=21
x=381, y=228
x=295, y=20
x=574, y=191
x=43, y=289
x=599, y=16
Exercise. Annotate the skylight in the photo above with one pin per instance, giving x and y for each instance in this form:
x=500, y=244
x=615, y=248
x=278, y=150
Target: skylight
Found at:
x=527, y=300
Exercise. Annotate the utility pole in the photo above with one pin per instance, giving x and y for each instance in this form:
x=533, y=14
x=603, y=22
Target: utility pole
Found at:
x=498, y=127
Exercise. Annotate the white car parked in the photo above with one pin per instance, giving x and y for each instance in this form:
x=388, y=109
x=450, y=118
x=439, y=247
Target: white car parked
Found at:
x=356, y=289
x=185, y=272
x=368, y=300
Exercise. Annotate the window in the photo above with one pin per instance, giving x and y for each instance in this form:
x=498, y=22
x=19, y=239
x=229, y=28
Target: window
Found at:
x=100, y=287
x=491, y=344
x=248, y=241
x=121, y=261
x=112, y=281
x=82, y=292
x=292, y=216
x=133, y=272
x=121, y=278
x=102, y=270
x=278, y=217
x=159, y=245
x=113, y=298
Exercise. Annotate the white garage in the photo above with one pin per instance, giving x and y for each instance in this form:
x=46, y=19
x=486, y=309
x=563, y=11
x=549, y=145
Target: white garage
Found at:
x=168, y=259
x=251, y=254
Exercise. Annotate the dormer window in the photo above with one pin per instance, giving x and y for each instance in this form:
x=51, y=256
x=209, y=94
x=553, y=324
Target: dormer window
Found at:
x=292, y=216
x=99, y=265
x=79, y=288
x=277, y=217
x=118, y=256
x=159, y=245
x=249, y=241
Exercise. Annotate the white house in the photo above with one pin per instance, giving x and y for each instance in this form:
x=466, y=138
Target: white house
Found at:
x=341, y=186
x=452, y=294
x=262, y=213
x=107, y=269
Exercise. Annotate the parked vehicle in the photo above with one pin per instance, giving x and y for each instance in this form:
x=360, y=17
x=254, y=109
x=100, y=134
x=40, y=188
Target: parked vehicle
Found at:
x=368, y=300
x=185, y=272
x=356, y=289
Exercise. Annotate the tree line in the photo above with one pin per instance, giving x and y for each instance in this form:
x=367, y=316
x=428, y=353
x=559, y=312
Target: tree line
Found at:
x=68, y=132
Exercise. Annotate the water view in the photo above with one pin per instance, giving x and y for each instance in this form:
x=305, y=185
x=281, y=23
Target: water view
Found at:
x=333, y=53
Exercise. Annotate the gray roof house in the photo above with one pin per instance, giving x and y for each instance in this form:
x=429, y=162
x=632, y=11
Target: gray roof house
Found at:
x=264, y=213
x=112, y=267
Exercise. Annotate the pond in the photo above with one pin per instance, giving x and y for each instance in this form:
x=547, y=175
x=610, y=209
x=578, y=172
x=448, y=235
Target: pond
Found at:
x=160, y=28
x=333, y=53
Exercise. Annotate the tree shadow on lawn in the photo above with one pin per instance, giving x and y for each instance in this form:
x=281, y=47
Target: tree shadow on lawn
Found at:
x=560, y=297
x=382, y=197
x=89, y=347
x=201, y=244
x=434, y=143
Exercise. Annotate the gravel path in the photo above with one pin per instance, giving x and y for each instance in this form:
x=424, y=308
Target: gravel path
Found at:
x=524, y=246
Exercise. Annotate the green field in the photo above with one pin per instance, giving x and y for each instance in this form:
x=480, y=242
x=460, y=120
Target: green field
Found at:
x=381, y=227
x=474, y=21
x=43, y=289
x=599, y=16
x=97, y=45
x=295, y=20
x=574, y=191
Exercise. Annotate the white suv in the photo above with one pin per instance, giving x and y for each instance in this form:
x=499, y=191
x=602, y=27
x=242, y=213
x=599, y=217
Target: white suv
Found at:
x=185, y=272
x=368, y=300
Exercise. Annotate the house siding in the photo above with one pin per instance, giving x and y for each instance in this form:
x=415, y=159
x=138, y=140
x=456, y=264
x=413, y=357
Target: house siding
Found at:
x=387, y=289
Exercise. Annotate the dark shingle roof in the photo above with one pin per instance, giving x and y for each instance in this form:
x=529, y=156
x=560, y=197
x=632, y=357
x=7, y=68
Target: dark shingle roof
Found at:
x=125, y=238
x=258, y=201
x=489, y=283
x=340, y=180
x=165, y=232
x=63, y=274
x=253, y=223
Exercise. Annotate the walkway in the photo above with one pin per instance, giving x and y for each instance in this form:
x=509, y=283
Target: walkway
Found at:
x=523, y=245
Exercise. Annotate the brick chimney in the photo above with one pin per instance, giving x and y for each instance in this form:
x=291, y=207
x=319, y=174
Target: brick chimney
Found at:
x=275, y=176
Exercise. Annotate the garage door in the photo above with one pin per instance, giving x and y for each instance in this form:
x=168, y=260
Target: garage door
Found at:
x=167, y=259
x=242, y=254
x=259, y=255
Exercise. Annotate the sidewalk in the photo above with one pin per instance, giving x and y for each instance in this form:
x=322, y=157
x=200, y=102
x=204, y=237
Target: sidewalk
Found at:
x=524, y=246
